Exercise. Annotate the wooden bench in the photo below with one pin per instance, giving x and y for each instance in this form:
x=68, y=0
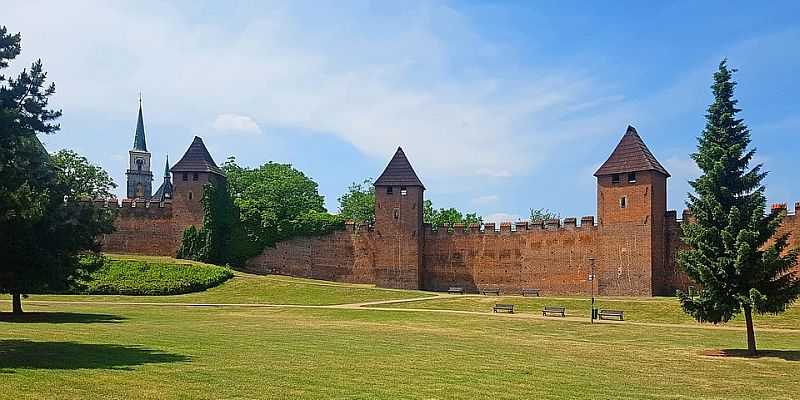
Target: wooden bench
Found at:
x=505, y=307
x=453, y=289
x=610, y=313
x=558, y=310
x=530, y=292
x=493, y=290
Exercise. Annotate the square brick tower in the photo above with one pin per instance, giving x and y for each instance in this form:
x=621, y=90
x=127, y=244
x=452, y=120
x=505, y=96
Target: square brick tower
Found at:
x=632, y=190
x=189, y=175
x=398, y=225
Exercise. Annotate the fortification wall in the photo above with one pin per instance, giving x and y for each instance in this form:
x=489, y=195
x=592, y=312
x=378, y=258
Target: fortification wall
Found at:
x=342, y=256
x=548, y=256
x=143, y=228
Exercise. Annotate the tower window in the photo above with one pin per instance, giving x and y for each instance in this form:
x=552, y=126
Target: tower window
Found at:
x=194, y=176
x=139, y=163
x=632, y=177
x=190, y=195
x=615, y=178
x=396, y=213
x=403, y=191
x=389, y=190
x=139, y=190
x=185, y=177
x=623, y=202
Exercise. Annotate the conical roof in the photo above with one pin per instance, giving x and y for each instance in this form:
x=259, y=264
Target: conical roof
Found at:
x=197, y=159
x=139, y=142
x=399, y=172
x=630, y=155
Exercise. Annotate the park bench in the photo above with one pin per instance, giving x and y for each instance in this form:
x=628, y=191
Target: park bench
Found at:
x=496, y=291
x=558, y=310
x=454, y=289
x=530, y=292
x=504, y=307
x=610, y=313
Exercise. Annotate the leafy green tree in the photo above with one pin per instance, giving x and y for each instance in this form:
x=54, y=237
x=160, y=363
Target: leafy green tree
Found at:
x=734, y=255
x=358, y=204
x=543, y=214
x=40, y=236
x=449, y=216
x=84, y=179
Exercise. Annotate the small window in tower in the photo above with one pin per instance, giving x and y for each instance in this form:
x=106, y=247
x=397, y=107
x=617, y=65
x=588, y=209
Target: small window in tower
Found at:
x=185, y=177
x=403, y=191
x=615, y=178
x=194, y=176
x=632, y=177
x=389, y=190
x=190, y=195
x=623, y=202
x=396, y=213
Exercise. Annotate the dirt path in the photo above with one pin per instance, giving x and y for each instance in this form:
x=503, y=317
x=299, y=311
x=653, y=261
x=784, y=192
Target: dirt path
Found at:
x=372, y=304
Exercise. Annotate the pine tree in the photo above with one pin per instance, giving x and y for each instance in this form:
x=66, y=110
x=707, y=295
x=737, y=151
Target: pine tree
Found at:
x=40, y=236
x=735, y=257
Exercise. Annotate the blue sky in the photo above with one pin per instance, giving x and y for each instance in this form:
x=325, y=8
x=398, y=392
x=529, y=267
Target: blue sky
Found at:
x=500, y=106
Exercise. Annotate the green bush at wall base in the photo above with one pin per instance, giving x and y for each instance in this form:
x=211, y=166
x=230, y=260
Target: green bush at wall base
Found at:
x=145, y=278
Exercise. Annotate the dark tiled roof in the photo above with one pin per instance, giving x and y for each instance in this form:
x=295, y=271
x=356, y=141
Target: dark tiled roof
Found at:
x=139, y=142
x=164, y=191
x=631, y=155
x=399, y=172
x=197, y=159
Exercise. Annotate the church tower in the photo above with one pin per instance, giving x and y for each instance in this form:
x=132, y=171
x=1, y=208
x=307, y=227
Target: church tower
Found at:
x=398, y=225
x=140, y=178
x=632, y=190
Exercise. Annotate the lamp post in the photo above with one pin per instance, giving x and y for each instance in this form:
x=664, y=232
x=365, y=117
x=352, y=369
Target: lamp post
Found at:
x=591, y=287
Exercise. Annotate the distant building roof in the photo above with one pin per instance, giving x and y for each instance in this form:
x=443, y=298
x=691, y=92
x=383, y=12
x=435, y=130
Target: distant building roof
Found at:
x=630, y=155
x=139, y=142
x=197, y=159
x=399, y=172
x=165, y=190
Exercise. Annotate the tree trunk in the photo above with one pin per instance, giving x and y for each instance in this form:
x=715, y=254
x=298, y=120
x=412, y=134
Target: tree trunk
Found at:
x=17, y=303
x=751, y=335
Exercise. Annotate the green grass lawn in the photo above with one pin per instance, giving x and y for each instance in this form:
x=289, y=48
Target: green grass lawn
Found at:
x=96, y=351
x=651, y=309
x=82, y=349
x=249, y=288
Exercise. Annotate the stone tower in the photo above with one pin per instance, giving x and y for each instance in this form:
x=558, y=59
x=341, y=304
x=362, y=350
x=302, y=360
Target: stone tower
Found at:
x=189, y=175
x=632, y=188
x=398, y=225
x=140, y=178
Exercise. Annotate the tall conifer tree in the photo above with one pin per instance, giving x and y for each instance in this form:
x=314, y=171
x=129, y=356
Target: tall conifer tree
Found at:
x=734, y=255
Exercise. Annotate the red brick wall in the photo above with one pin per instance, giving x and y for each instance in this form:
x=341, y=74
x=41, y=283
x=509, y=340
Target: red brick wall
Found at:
x=342, y=256
x=144, y=229
x=555, y=260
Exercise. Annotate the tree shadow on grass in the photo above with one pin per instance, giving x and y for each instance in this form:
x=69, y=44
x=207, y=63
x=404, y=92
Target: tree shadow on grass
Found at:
x=788, y=355
x=59, y=318
x=25, y=354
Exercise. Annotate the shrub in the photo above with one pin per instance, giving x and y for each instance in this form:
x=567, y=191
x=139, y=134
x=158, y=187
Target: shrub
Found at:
x=130, y=277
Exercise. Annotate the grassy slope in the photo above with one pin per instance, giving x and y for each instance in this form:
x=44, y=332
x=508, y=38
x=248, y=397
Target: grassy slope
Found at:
x=248, y=288
x=152, y=352
x=654, y=309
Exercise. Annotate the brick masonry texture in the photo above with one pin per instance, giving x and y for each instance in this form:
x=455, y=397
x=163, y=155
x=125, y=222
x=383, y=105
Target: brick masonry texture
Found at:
x=634, y=244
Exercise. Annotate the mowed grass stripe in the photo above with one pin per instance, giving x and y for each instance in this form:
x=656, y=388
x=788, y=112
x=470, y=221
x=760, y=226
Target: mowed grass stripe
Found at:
x=327, y=353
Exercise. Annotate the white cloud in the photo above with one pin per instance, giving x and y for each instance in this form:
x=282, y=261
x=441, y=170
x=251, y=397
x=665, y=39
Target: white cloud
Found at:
x=375, y=87
x=230, y=124
x=501, y=217
x=492, y=198
x=682, y=167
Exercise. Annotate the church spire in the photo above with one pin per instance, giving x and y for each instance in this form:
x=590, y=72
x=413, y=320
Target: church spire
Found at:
x=139, y=142
x=166, y=168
